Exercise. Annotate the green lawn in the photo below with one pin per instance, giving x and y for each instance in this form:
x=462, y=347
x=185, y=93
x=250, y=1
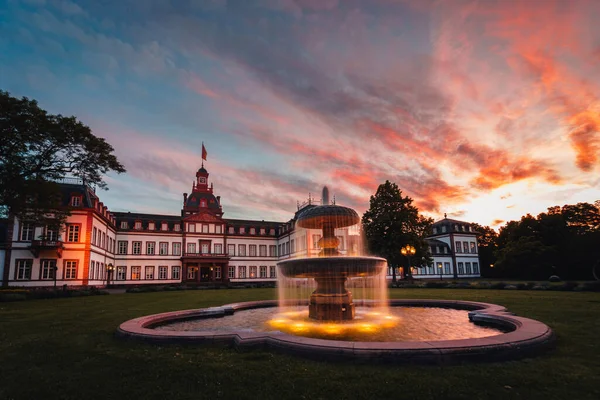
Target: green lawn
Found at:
x=65, y=349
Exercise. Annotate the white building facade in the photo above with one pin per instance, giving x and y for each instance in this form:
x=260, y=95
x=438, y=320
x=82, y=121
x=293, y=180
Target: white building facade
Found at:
x=97, y=247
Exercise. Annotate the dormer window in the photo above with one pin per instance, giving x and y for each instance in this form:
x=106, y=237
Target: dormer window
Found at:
x=263, y=231
x=75, y=201
x=231, y=229
x=151, y=226
x=272, y=232
x=177, y=227
x=191, y=227
x=252, y=231
x=443, y=229
x=138, y=225
x=164, y=226
x=124, y=225
x=434, y=230
x=242, y=229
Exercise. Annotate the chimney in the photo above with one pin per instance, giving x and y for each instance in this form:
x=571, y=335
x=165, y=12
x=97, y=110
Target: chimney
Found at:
x=184, y=198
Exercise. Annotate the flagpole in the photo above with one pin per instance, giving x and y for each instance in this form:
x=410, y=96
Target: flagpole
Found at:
x=202, y=154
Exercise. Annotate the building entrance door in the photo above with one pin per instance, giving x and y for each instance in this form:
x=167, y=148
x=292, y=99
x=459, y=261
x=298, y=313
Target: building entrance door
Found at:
x=204, y=274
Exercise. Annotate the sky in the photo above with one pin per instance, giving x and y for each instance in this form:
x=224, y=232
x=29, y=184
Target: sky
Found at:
x=482, y=109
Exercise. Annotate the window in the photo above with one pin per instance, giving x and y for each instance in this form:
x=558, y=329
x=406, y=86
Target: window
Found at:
x=458, y=247
x=316, y=239
x=292, y=246
x=476, y=268
x=263, y=250
x=103, y=243
x=252, y=250
x=468, y=268
x=287, y=248
x=461, y=269
x=177, y=227
x=123, y=246
x=94, y=236
x=92, y=269
x=231, y=249
x=217, y=272
x=150, y=248
x=176, y=248
x=263, y=231
x=205, y=248
x=242, y=229
x=124, y=225
x=26, y=232
x=203, y=203
x=341, y=246
x=443, y=229
x=252, y=231
x=71, y=269
x=252, y=272
x=205, y=228
x=241, y=250
x=191, y=227
x=136, y=273
x=149, y=273
x=434, y=230
x=263, y=271
x=75, y=201
x=272, y=251
x=272, y=232
x=191, y=248
x=439, y=268
x=48, y=268
x=231, y=272
x=218, y=228
x=72, y=233
x=100, y=270
x=462, y=228
x=151, y=226
x=279, y=248
x=121, y=273
x=218, y=248
x=51, y=234
x=163, y=248
x=473, y=247
x=231, y=230
x=138, y=225
x=175, y=271
x=242, y=272
x=137, y=248
x=162, y=272
x=466, y=247
x=447, y=268
x=191, y=273
x=164, y=226
x=272, y=272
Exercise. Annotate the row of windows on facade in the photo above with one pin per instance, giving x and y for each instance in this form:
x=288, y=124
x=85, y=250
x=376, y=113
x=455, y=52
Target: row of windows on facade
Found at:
x=50, y=234
x=466, y=268
x=49, y=269
x=199, y=228
x=135, y=273
x=457, y=228
x=461, y=247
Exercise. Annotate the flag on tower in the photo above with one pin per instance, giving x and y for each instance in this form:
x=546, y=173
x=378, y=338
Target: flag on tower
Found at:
x=204, y=153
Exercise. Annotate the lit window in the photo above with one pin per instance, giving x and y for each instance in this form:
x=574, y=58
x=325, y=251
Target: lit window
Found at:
x=70, y=269
x=24, y=269
x=136, y=273
x=252, y=272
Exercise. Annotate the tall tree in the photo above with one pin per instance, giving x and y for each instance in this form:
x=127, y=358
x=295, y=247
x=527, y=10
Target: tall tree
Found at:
x=36, y=150
x=392, y=222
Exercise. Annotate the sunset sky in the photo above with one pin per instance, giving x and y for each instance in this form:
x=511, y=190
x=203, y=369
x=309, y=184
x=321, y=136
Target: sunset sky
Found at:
x=486, y=110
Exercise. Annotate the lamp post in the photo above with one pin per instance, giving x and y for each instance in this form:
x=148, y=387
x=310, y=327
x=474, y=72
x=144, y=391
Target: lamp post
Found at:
x=408, y=251
x=109, y=270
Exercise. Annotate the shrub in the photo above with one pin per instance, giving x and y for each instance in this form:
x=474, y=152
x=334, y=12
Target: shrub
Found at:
x=498, y=285
x=566, y=286
x=591, y=286
x=12, y=296
x=436, y=284
x=554, y=278
x=510, y=287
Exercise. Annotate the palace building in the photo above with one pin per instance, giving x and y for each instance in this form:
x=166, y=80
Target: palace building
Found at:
x=97, y=247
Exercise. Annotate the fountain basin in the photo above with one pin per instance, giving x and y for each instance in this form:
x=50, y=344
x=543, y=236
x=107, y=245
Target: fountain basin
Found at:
x=525, y=337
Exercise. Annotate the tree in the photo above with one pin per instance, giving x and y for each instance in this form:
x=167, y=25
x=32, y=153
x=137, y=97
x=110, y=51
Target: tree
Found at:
x=393, y=222
x=487, y=246
x=36, y=150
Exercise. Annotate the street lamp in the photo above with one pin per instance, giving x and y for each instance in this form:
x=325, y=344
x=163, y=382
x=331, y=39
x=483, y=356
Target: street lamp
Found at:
x=109, y=270
x=408, y=251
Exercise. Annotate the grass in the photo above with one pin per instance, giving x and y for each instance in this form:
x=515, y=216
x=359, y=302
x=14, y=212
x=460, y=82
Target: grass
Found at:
x=65, y=349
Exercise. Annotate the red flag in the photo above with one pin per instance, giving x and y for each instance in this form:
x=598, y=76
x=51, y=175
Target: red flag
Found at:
x=204, y=153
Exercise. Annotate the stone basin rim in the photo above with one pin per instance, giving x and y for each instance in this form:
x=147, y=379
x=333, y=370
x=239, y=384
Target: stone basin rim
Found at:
x=528, y=337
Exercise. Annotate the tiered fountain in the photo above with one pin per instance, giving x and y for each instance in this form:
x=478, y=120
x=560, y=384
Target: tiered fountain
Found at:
x=416, y=331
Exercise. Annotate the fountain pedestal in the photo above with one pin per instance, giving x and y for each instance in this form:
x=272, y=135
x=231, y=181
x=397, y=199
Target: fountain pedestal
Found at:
x=331, y=301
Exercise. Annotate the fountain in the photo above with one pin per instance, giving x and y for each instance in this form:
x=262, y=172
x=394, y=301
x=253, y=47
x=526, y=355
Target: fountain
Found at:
x=337, y=324
x=331, y=301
